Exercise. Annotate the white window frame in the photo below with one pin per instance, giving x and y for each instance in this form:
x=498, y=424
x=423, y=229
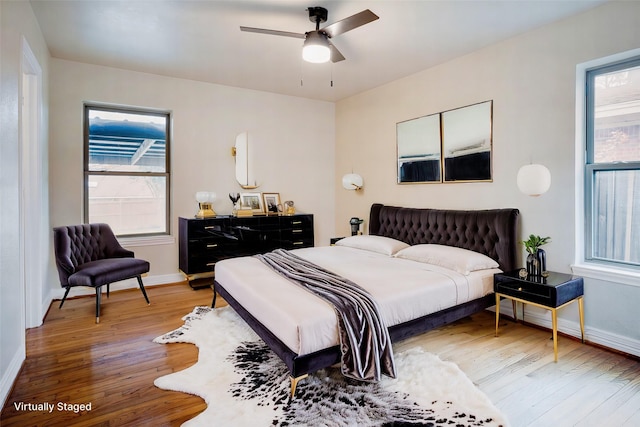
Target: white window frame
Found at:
x=611, y=272
x=146, y=239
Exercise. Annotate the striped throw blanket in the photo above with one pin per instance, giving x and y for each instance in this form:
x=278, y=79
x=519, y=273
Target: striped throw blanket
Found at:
x=364, y=339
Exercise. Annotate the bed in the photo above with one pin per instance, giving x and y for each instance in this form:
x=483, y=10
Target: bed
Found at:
x=416, y=290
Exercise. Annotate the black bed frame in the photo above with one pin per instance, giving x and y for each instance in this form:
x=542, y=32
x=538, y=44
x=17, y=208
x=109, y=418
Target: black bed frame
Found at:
x=491, y=232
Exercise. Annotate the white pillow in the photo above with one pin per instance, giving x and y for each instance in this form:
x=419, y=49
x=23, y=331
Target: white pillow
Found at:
x=379, y=244
x=461, y=260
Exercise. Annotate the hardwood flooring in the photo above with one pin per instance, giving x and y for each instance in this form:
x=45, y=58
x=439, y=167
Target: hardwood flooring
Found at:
x=112, y=366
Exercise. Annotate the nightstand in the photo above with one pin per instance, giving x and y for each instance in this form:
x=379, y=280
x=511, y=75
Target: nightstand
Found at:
x=551, y=293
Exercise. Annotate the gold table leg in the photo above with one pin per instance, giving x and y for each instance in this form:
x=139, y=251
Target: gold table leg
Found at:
x=581, y=310
x=497, y=312
x=554, y=325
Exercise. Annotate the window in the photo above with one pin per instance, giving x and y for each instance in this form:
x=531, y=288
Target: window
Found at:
x=612, y=170
x=126, y=169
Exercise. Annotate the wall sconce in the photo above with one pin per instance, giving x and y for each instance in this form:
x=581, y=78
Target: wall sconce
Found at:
x=534, y=180
x=205, y=200
x=352, y=181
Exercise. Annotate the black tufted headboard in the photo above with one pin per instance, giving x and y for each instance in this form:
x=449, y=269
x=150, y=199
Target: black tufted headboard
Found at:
x=491, y=232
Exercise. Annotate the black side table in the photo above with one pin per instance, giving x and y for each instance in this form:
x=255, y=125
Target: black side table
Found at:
x=553, y=292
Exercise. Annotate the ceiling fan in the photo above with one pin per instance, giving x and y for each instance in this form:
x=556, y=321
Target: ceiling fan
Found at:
x=317, y=48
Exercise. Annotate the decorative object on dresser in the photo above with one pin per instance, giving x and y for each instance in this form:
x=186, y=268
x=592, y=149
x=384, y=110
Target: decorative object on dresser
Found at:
x=289, y=208
x=235, y=197
x=272, y=203
x=203, y=242
x=252, y=201
x=553, y=292
x=205, y=202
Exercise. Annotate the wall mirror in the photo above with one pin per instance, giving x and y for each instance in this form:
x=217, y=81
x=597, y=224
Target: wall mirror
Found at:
x=419, y=149
x=244, y=162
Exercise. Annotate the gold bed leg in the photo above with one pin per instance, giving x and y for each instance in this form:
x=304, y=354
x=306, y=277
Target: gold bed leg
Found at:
x=294, y=383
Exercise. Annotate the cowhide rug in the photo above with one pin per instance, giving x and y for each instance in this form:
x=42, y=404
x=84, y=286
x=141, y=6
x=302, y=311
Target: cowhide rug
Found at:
x=245, y=384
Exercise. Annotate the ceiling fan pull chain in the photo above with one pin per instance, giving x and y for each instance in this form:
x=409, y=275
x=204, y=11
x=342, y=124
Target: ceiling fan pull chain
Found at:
x=332, y=75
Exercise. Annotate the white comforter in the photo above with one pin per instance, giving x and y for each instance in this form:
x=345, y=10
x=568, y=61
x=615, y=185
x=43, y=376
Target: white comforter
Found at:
x=404, y=290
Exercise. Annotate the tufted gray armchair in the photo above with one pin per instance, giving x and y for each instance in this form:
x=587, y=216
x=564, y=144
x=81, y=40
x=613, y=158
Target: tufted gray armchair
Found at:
x=90, y=255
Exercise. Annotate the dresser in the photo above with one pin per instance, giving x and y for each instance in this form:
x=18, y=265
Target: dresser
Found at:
x=203, y=242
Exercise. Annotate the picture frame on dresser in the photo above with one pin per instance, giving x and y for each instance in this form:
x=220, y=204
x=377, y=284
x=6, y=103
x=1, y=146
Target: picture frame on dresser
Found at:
x=252, y=201
x=271, y=201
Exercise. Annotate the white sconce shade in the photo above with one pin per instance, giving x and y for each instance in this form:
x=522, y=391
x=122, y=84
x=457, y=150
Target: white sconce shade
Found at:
x=316, y=48
x=534, y=180
x=352, y=181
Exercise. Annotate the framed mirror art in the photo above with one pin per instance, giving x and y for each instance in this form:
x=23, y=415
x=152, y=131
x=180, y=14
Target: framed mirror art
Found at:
x=451, y=146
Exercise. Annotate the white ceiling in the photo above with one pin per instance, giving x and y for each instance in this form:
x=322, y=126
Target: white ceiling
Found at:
x=201, y=40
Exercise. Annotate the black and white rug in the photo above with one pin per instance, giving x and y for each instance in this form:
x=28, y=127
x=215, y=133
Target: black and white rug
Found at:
x=245, y=384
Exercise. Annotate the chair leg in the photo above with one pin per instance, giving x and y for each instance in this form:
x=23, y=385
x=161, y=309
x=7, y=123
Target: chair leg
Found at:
x=65, y=296
x=98, y=297
x=142, y=289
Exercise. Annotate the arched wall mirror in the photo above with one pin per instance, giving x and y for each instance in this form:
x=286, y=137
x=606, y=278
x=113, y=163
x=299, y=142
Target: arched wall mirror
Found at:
x=244, y=162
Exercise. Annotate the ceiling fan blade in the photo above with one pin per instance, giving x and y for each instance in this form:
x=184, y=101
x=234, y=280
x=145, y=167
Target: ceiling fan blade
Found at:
x=348, y=24
x=336, y=56
x=272, y=32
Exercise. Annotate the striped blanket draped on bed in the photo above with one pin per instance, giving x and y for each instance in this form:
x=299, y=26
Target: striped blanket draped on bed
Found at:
x=364, y=339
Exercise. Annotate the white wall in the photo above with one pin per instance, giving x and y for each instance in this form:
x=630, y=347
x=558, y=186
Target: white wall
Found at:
x=532, y=81
x=17, y=23
x=293, y=139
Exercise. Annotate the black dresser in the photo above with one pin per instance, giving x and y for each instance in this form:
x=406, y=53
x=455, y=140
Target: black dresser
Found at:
x=203, y=242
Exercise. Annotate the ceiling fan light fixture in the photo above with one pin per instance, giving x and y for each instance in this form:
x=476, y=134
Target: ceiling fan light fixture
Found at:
x=316, y=48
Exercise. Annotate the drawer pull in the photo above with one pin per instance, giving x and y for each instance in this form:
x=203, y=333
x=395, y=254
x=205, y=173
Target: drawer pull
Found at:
x=296, y=222
x=209, y=227
x=298, y=243
x=212, y=245
x=211, y=264
x=296, y=231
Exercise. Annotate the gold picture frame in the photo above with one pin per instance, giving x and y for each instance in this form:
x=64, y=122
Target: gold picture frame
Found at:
x=272, y=204
x=252, y=201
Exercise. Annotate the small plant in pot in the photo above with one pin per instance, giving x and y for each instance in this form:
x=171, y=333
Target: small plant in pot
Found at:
x=537, y=258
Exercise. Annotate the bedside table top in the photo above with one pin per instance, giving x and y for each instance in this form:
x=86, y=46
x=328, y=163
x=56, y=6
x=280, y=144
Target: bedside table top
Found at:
x=554, y=279
x=551, y=291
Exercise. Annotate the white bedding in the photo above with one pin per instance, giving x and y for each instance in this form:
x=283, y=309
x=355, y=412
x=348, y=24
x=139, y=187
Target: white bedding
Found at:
x=404, y=290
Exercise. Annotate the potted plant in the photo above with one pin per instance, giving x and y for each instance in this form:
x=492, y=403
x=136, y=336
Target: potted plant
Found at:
x=537, y=258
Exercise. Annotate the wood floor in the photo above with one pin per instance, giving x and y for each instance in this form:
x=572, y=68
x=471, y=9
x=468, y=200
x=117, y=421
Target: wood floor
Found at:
x=112, y=366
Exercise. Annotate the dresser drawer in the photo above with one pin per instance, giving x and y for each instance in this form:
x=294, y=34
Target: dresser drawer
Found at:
x=296, y=221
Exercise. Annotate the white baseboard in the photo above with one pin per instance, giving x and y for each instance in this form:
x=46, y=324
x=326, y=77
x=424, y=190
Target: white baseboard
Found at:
x=9, y=376
x=148, y=281
x=597, y=336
